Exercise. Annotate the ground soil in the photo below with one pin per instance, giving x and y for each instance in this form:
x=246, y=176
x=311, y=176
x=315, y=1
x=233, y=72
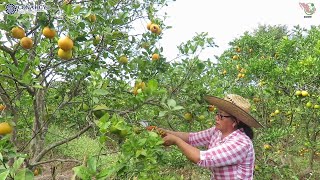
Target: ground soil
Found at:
x=56, y=171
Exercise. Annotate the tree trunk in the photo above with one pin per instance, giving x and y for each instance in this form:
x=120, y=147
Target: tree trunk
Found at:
x=39, y=124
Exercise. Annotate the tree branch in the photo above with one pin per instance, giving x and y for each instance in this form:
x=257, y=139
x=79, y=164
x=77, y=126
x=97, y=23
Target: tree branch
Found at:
x=53, y=160
x=31, y=91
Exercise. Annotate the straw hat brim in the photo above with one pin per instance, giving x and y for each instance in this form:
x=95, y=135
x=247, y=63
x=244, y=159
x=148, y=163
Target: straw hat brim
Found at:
x=233, y=110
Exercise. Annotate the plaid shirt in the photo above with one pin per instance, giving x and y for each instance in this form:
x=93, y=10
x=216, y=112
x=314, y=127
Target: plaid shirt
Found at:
x=229, y=158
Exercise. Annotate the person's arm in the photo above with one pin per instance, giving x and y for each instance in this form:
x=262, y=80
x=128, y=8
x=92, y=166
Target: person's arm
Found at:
x=192, y=153
x=182, y=135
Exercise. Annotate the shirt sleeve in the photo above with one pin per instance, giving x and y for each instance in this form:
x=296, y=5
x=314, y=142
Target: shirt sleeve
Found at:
x=228, y=153
x=201, y=138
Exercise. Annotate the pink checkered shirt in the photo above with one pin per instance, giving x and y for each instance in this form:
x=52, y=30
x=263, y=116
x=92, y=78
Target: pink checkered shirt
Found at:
x=229, y=158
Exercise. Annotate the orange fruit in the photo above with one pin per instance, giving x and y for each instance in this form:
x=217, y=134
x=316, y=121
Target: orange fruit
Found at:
x=155, y=57
x=65, y=43
x=123, y=60
x=148, y=25
x=64, y=54
x=26, y=43
x=188, y=116
x=5, y=128
x=154, y=28
x=2, y=107
x=18, y=32
x=48, y=33
x=235, y=57
x=211, y=108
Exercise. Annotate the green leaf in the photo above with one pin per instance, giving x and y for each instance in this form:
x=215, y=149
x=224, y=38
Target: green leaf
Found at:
x=92, y=164
x=162, y=113
x=3, y=175
x=109, y=171
x=77, y=9
x=1, y=157
x=113, y=2
x=171, y=103
x=17, y=164
x=68, y=9
x=141, y=152
x=152, y=85
x=177, y=108
x=100, y=107
x=142, y=141
x=82, y=172
x=105, y=117
x=38, y=86
x=81, y=38
x=100, y=92
x=24, y=174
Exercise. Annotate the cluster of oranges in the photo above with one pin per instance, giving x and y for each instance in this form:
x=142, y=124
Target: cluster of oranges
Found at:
x=241, y=71
x=139, y=87
x=65, y=43
x=19, y=33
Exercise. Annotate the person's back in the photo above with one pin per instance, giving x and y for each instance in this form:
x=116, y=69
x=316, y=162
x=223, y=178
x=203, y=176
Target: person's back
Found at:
x=229, y=158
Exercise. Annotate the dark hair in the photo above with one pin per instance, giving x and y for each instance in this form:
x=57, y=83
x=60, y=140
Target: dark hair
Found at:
x=247, y=129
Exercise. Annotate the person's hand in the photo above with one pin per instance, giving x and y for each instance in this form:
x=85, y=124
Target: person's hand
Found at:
x=169, y=139
x=160, y=131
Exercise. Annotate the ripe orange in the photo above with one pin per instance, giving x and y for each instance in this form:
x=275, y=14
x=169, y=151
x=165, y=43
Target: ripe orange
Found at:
x=64, y=54
x=135, y=91
x=65, y=43
x=2, y=107
x=48, y=33
x=148, y=25
x=18, y=32
x=304, y=93
x=159, y=31
x=26, y=43
x=235, y=57
x=155, y=57
x=154, y=28
x=5, y=128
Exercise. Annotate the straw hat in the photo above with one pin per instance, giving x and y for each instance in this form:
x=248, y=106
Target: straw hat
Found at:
x=237, y=106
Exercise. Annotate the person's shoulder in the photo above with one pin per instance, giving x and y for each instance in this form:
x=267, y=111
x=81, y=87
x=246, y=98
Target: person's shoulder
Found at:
x=241, y=136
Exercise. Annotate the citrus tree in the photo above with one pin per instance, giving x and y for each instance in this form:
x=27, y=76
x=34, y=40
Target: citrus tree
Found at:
x=59, y=66
x=278, y=69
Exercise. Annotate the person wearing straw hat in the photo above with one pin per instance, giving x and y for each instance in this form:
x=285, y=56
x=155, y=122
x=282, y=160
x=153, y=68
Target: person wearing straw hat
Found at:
x=230, y=153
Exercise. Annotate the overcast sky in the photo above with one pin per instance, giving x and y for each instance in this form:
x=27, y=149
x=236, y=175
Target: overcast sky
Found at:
x=225, y=20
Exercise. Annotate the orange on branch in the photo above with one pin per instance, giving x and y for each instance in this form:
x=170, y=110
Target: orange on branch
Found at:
x=48, y=32
x=5, y=128
x=18, y=32
x=65, y=43
x=66, y=55
x=26, y=42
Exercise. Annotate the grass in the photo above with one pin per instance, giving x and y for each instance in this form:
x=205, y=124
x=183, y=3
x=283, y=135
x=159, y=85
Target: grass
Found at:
x=79, y=147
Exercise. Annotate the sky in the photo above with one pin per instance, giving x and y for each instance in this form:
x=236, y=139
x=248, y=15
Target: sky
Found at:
x=226, y=20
